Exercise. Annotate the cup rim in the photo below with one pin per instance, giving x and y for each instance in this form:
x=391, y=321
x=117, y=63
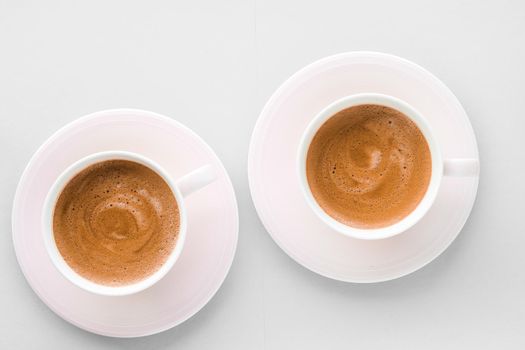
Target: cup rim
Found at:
x=436, y=160
x=50, y=243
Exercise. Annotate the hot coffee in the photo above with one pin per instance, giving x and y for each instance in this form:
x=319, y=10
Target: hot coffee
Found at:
x=368, y=166
x=116, y=222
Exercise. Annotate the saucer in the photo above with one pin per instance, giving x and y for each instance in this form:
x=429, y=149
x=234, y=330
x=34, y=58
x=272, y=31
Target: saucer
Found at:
x=211, y=237
x=275, y=187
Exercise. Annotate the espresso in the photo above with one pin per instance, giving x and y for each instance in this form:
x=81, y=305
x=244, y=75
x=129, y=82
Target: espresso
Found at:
x=116, y=222
x=368, y=166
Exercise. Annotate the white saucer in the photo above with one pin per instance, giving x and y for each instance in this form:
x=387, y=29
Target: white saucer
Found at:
x=275, y=187
x=212, y=224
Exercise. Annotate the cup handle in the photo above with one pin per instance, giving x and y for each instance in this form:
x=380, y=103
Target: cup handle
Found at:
x=461, y=167
x=196, y=180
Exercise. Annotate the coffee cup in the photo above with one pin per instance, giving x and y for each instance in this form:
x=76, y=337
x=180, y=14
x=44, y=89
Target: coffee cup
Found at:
x=180, y=188
x=439, y=166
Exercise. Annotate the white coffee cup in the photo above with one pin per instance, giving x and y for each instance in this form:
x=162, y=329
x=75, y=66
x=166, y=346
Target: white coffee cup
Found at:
x=440, y=167
x=180, y=188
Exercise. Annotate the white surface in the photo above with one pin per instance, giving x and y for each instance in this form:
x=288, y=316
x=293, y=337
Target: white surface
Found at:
x=60, y=60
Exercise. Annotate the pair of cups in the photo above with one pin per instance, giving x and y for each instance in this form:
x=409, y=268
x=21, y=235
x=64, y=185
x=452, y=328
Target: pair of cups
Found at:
x=205, y=175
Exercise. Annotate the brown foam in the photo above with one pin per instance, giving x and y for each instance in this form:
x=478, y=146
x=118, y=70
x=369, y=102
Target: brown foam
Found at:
x=368, y=166
x=116, y=222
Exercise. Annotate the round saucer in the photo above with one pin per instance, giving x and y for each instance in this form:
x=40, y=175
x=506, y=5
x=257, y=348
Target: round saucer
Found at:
x=211, y=237
x=274, y=183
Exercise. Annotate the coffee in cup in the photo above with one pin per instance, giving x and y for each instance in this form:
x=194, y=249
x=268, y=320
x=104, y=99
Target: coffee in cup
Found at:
x=368, y=166
x=116, y=222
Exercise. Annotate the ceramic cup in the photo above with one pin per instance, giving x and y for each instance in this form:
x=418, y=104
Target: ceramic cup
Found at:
x=180, y=188
x=440, y=167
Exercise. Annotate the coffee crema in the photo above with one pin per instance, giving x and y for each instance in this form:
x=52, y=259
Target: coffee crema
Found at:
x=368, y=166
x=116, y=222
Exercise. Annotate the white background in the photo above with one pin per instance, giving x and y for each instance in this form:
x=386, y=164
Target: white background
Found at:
x=212, y=65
